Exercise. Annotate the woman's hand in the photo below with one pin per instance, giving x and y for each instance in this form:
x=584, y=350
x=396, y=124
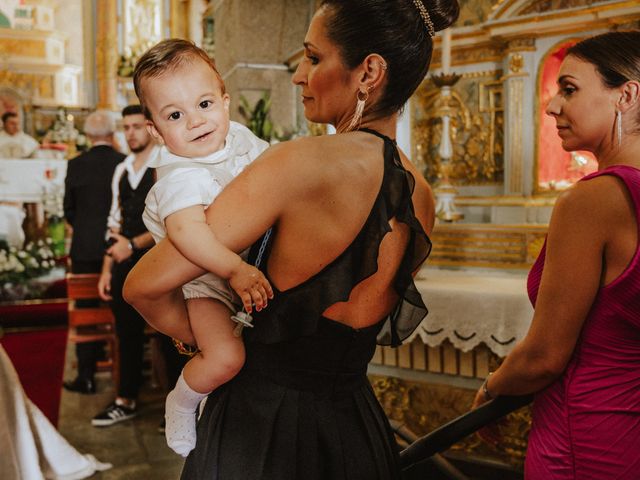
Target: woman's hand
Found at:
x=491, y=432
x=252, y=286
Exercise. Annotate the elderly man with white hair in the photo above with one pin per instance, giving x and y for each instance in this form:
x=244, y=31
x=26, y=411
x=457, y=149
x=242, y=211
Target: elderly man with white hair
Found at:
x=87, y=200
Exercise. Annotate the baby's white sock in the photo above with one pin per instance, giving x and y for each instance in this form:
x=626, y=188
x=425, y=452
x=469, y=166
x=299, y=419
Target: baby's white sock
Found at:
x=180, y=415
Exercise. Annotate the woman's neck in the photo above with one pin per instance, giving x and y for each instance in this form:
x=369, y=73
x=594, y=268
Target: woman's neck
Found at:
x=386, y=125
x=627, y=154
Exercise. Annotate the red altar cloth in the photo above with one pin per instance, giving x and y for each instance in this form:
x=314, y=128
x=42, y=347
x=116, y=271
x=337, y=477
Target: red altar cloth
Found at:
x=35, y=337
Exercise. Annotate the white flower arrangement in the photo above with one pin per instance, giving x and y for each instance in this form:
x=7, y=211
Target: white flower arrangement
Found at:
x=18, y=266
x=52, y=202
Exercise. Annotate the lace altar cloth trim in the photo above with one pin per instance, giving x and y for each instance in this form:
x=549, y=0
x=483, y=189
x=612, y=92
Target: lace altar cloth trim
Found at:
x=468, y=307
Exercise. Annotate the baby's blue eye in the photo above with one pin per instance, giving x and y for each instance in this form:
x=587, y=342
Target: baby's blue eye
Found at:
x=175, y=116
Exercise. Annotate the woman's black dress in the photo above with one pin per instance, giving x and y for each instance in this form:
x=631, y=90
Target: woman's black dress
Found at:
x=302, y=407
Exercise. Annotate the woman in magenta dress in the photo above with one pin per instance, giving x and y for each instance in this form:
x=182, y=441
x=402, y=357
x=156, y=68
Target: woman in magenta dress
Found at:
x=582, y=352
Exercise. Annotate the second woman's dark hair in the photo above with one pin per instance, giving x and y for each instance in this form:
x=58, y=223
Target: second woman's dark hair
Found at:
x=394, y=30
x=616, y=56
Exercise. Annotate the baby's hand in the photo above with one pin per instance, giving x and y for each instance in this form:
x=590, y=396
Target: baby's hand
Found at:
x=252, y=287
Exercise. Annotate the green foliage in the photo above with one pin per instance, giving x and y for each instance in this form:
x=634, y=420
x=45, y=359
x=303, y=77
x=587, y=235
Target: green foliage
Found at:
x=257, y=118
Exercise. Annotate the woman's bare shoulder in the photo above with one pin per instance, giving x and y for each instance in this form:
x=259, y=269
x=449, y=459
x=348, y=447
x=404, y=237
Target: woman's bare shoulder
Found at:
x=593, y=207
x=325, y=157
x=292, y=154
x=303, y=167
x=592, y=198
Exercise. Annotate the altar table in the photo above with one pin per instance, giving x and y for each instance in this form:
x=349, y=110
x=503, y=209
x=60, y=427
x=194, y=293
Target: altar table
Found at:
x=475, y=318
x=468, y=307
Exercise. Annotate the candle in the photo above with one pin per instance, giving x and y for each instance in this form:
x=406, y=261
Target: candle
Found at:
x=446, y=51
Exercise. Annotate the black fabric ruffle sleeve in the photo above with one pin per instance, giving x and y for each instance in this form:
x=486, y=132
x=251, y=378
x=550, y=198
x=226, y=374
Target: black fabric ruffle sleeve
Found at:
x=295, y=312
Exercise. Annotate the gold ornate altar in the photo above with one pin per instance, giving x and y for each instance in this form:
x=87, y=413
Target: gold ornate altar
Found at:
x=500, y=51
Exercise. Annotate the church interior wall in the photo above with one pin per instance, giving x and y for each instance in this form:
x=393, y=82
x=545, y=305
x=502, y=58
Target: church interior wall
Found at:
x=251, y=46
x=257, y=49
x=498, y=49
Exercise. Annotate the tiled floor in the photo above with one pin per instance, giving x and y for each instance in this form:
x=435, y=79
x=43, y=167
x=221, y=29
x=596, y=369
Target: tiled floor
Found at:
x=135, y=447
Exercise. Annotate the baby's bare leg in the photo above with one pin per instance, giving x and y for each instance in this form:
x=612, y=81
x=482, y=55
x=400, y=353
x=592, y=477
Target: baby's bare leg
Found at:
x=220, y=358
x=221, y=354
x=153, y=288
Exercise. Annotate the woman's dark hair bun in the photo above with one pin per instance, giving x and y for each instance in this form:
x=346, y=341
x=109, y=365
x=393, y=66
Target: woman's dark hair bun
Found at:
x=393, y=29
x=443, y=13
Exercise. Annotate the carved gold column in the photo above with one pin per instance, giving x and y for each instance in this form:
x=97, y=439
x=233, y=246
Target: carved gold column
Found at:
x=514, y=158
x=107, y=54
x=518, y=133
x=179, y=19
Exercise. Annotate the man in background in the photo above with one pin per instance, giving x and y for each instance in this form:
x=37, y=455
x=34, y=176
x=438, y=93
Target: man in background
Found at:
x=130, y=240
x=87, y=200
x=14, y=143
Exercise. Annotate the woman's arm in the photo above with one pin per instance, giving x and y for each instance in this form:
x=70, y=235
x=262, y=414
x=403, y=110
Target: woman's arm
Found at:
x=189, y=233
x=256, y=199
x=242, y=212
x=570, y=281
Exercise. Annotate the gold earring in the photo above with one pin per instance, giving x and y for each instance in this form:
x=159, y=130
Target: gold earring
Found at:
x=619, y=127
x=357, y=115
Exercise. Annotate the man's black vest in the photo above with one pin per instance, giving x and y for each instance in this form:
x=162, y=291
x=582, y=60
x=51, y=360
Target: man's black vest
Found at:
x=132, y=203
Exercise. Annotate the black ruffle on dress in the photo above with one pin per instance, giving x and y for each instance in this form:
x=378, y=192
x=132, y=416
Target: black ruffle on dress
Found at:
x=302, y=407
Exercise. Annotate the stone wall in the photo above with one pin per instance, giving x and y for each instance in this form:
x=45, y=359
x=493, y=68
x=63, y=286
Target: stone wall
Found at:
x=252, y=46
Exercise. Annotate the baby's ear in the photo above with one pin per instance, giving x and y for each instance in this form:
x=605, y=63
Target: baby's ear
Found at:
x=153, y=131
x=226, y=100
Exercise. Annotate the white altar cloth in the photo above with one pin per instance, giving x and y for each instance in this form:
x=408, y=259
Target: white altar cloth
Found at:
x=26, y=180
x=11, y=218
x=30, y=446
x=468, y=307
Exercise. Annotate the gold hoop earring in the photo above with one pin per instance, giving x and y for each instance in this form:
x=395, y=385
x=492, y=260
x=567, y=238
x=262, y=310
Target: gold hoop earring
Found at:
x=357, y=115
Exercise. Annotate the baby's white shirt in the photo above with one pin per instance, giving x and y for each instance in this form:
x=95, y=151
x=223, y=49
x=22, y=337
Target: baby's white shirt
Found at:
x=184, y=182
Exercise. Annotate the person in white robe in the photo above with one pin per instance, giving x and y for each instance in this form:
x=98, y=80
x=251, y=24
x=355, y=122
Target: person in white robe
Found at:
x=14, y=143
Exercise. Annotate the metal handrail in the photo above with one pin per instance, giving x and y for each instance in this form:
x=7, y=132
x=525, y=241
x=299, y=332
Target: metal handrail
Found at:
x=443, y=437
x=437, y=461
